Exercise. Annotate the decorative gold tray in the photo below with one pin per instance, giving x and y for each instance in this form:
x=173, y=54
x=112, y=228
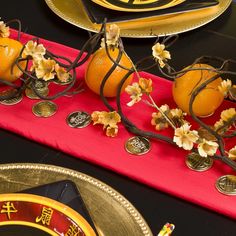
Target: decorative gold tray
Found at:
x=73, y=12
x=103, y=202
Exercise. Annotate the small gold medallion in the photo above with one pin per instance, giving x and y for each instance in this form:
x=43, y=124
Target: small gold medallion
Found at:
x=78, y=119
x=226, y=184
x=32, y=95
x=198, y=163
x=12, y=101
x=44, y=109
x=40, y=86
x=137, y=145
x=8, y=92
x=57, y=81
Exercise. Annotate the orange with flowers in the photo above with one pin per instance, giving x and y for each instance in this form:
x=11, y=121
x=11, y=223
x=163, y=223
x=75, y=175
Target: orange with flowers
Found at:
x=100, y=63
x=9, y=51
x=208, y=100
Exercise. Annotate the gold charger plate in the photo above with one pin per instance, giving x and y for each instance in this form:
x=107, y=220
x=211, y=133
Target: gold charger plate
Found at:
x=103, y=202
x=73, y=12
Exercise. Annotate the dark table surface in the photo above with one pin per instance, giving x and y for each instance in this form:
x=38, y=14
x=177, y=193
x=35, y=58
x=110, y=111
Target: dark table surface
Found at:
x=216, y=38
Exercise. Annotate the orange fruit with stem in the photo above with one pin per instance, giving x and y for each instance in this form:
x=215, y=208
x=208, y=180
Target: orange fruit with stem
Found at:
x=98, y=66
x=208, y=100
x=9, y=51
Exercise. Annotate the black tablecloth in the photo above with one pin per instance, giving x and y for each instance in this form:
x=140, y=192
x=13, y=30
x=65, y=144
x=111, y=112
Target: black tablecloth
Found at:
x=217, y=38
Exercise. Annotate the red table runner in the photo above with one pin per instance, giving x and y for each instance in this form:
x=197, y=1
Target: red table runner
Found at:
x=162, y=168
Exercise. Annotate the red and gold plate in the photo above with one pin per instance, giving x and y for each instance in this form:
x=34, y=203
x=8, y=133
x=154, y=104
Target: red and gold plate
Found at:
x=40, y=216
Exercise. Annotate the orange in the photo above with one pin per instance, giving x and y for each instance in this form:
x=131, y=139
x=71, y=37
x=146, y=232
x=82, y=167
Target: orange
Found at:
x=99, y=65
x=9, y=51
x=207, y=101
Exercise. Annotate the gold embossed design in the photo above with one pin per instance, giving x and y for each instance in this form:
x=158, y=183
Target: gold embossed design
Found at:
x=44, y=109
x=78, y=119
x=226, y=184
x=198, y=163
x=11, y=101
x=103, y=202
x=137, y=145
x=73, y=12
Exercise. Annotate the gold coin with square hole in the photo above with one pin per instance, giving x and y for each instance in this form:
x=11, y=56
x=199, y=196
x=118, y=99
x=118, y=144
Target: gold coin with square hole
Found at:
x=226, y=184
x=57, y=81
x=137, y=145
x=32, y=95
x=12, y=101
x=78, y=119
x=198, y=163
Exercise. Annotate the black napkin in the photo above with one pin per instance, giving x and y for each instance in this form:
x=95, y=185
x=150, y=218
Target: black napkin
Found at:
x=97, y=13
x=66, y=192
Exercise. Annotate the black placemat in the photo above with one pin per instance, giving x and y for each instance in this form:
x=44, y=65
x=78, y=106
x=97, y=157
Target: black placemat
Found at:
x=97, y=13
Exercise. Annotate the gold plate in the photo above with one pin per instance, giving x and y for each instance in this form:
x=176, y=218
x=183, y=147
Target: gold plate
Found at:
x=103, y=202
x=73, y=12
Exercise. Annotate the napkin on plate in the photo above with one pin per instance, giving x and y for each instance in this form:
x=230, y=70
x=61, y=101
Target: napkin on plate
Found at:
x=65, y=192
x=97, y=13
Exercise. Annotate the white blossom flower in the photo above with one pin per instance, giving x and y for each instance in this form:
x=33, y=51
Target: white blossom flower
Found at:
x=225, y=87
x=145, y=85
x=45, y=69
x=36, y=51
x=207, y=148
x=160, y=54
x=177, y=116
x=228, y=114
x=112, y=131
x=159, y=121
x=135, y=93
x=109, y=121
x=4, y=30
x=232, y=153
x=112, y=36
x=218, y=124
x=62, y=75
x=184, y=137
x=165, y=108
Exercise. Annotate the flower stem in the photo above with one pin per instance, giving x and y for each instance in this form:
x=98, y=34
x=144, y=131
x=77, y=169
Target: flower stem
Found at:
x=164, y=115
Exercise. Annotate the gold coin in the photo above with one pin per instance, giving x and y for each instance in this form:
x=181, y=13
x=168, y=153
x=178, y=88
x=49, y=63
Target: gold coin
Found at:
x=8, y=92
x=137, y=145
x=198, y=163
x=226, y=184
x=44, y=109
x=32, y=95
x=12, y=101
x=78, y=119
x=40, y=84
x=57, y=81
